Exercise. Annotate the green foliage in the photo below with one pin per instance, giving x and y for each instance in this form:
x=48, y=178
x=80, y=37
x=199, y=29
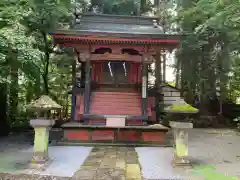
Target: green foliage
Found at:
x=235, y=78
x=122, y=7
x=44, y=17
x=26, y=49
x=15, y=46
x=204, y=57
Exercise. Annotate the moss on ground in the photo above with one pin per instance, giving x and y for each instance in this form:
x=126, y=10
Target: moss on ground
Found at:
x=183, y=107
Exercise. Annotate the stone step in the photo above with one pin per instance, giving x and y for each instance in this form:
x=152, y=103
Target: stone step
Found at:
x=115, y=99
x=128, y=103
x=128, y=144
x=103, y=112
x=117, y=93
x=114, y=107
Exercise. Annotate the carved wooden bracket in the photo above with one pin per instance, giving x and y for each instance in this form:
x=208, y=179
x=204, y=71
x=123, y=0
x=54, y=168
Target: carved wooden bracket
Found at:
x=84, y=56
x=147, y=58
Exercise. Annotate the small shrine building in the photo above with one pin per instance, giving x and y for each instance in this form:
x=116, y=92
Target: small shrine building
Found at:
x=110, y=92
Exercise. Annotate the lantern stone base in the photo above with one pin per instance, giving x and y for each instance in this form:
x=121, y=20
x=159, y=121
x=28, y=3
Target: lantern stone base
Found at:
x=41, y=139
x=181, y=142
x=40, y=157
x=180, y=161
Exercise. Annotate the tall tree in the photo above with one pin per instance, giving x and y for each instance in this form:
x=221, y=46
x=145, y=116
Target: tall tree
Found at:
x=45, y=16
x=204, y=55
x=17, y=54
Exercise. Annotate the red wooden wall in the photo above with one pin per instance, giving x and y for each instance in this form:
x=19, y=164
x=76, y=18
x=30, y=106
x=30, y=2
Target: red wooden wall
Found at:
x=98, y=72
x=79, y=107
x=134, y=72
x=151, y=104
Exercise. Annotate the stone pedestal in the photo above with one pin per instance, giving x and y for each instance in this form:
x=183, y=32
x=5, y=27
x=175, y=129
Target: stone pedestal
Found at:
x=41, y=139
x=180, y=130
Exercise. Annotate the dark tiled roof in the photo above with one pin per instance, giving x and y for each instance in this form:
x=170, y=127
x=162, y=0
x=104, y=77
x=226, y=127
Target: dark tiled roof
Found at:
x=109, y=27
x=117, y=24
x=118, y=19
x=118, y=28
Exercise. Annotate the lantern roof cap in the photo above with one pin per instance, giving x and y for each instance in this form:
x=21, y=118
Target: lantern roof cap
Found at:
x=44, y=103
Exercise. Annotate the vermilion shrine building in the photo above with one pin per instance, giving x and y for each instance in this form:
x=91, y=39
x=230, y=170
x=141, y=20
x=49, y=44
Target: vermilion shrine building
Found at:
x=110, y=97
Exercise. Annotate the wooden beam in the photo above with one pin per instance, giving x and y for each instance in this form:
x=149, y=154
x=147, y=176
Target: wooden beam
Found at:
x=117, y=57
x=116, y=48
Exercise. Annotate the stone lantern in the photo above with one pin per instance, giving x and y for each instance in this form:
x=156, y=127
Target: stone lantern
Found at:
x=180, y=112
x=42, y=124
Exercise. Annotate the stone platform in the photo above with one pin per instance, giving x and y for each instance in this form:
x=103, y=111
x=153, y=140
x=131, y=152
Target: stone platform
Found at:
x=127, y=135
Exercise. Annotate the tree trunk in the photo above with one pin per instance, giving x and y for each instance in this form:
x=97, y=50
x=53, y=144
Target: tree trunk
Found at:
x=29, y=92
x=203, y=81
x=142, y=6
x=45, y=75
x=37, y=86
x=223, y=65
x=4, y=124
x=178, y=74
x=13, y=95
x=47, y=62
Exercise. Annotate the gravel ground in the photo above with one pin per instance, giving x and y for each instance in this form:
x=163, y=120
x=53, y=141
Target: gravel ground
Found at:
x=16, y=152
x=14, y=142
x=5, y=176
x=220, y=148
x=66, y=160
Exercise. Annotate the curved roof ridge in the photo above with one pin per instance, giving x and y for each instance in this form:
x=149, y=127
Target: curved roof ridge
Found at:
x=117, y=15
x=116, y=19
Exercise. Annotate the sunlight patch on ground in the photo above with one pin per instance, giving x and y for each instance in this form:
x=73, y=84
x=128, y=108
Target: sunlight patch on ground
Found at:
x=65, y=161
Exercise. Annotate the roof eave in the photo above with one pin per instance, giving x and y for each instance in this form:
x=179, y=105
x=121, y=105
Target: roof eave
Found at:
x=109, y=34
x=116, y=15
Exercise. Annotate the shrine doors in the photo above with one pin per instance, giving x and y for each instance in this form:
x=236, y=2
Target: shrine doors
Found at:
x=116, y=72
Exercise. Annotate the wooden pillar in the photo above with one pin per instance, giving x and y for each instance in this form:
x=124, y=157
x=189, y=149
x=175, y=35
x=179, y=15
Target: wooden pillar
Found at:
x=164, y=66
x=83, y=73
x=158, y=75
x=158, y=69
x=87, y=83
x=73, y=107
x=144, y=86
